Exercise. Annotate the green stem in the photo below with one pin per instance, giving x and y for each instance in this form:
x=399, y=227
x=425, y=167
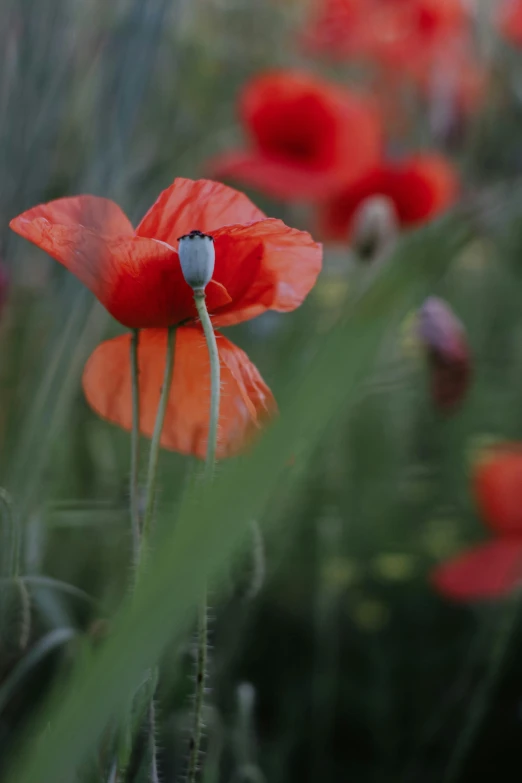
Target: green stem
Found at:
x=202, y=630
x=156, y=437
x=141, y=532
x=215, y=382
x=199, y=695
x=135, y=447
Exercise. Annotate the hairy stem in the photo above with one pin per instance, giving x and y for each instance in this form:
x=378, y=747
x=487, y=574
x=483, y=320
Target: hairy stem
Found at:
x=135, y=447
x=141, y=532
x=156, y=437
x=202, y=629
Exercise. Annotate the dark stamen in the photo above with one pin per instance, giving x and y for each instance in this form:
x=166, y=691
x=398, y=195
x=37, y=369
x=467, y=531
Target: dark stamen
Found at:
x=195, y=233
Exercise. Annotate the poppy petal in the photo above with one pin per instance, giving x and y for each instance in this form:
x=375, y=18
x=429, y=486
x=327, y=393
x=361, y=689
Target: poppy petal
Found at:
x=196, y=204
x=276, y=179
x=420, y=188
x=497, y=483
x=490, y=570
x=423, y=187
x=246, y=401
x=100, y=215
x=263, y=266
x=309, y=137
x=138, y=280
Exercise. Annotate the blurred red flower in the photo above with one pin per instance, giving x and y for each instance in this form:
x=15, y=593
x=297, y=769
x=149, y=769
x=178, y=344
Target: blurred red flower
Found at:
x=492, y=569
x=261, y=264
x=420, y=188
x=403, y=34
x=510, y=21
x=246, y=401
x=308, y=137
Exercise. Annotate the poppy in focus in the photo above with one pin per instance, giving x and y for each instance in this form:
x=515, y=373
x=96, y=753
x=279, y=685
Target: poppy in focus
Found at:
x=447, y=350
x=493, y=569
x=261, y=264
x=420, y=188
x=308, y=137
x=246, y=401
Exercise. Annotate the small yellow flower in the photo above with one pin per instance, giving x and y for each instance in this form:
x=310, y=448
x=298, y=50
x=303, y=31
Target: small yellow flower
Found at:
x=394, y=566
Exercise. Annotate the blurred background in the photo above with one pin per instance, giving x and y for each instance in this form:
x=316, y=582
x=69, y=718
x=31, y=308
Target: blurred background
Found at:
x=334, y=657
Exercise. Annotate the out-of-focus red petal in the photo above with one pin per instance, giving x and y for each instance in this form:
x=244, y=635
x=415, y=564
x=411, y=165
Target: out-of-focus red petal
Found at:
x=399, y=35
x=334, y=217
x=424, y=186
x=510, y=21
x=309, y=137
x=265, y=265
x=138, y=280
x=420, y=188
x=491, y=570
x=246, y=401
x=202, y=204
x=274, y=178
x=497, y=482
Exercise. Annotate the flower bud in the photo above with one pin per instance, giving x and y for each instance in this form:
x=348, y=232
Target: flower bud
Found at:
x=374, y=228
x=197, y=257
x=445, y=341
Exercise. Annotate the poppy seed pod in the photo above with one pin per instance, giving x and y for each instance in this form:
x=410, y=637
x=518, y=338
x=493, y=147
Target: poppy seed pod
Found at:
x=197, y=257
x=374, y=227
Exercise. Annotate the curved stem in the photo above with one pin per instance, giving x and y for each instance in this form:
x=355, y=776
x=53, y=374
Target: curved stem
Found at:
x=202, y=630
x=215, y=382
x=156, y=437
x=135, y=446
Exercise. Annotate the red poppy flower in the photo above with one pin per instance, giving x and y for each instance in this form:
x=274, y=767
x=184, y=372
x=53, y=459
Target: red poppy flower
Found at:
x=261, y=264
x=498, y=489
x=402, y=34
x=246, y=401
x=308, y=137
x=510, y=21
x=420, y=188
x=492, y=569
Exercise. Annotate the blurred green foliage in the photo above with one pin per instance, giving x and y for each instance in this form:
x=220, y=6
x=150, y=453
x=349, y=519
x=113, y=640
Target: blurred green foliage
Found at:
x=344, y=665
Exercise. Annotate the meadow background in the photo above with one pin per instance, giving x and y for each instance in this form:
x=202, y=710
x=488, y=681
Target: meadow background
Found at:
x=333, y=659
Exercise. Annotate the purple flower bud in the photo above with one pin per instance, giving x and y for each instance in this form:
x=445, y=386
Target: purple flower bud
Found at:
x=446, y=344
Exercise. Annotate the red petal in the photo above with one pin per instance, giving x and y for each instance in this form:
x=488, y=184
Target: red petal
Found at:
x=263, y=266
x=423, y=187
x=510, y=21
x=246, y=401
x=202, y=204
x=99, y=215
x=420, y=188
x=310, y=137
x=497, y=482
x=138, y=280
x=490, y=570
